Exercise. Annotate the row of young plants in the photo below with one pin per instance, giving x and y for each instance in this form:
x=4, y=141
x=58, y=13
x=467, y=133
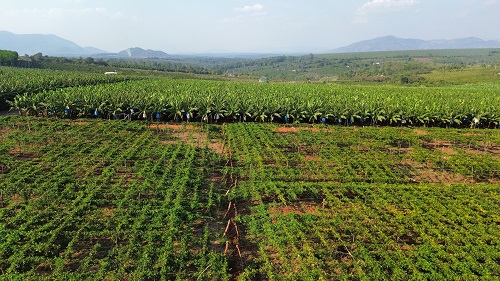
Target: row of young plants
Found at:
x=324, y=203
x=371, y=155
x=375, y=232
x=94, y=200
x=19, y=81
x=219, y=101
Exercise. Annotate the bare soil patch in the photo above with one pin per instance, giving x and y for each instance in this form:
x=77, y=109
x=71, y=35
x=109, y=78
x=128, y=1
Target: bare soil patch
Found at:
x=363, y=148
x=300, y=208
x=83, y=248
x=447, y=150
x=476, y=151
x=490, y=145
x=473, y=134
x=396, y=150
x=178, y=127
x=312, y=157
x=16, y=199
x=108, y=211
x=216, y=146
x=484, y=149
x=127, y=176
x=453, y=148
x=421, y=132
x=21, y=154
x=190, y=135
x=285, y=130
x=4, y=132
x=80, y=123
x=422, y=174
x=437, y=144
x=494, y=180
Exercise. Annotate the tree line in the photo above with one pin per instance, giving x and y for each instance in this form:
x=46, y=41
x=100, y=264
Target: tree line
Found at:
x=8, y=58
x=11, y=58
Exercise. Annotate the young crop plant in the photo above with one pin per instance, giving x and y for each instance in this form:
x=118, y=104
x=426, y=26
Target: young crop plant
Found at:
x=93, y=199
x=339, y=202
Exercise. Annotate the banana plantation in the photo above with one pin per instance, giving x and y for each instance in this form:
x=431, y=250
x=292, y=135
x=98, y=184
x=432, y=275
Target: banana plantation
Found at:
x=219, y=101
x=17, y=81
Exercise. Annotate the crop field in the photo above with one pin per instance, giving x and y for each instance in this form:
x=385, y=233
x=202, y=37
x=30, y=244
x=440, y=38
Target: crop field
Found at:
x=90, y=200
x=117, y=200
x=366, y=203
x=165, y=99
x=27, y=81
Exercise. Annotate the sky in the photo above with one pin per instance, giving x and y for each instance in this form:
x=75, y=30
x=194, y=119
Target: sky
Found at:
x=248, y=26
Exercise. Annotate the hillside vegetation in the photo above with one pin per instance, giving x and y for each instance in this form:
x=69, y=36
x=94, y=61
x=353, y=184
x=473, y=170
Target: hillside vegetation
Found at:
x=397, y=67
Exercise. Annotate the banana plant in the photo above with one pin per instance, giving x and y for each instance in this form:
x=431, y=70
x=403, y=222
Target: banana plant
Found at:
x=20, y=103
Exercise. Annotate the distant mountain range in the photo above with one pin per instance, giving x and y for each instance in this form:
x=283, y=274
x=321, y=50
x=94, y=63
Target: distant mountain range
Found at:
x=392, y=43
x=135, y=53
x=52, y=45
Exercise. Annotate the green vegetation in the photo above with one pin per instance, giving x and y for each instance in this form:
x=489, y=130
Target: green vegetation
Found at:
x=95, y=199
x=347, y=179
x=8, y=58
x=198, y=100
x=17, y=81
x=398, y=67
x=468, y=75
x=105, y=201
x=90, y=64
x=323, y=203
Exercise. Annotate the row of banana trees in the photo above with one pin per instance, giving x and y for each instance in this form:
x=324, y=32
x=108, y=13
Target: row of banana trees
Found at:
x=216, y=101
x=16, y=81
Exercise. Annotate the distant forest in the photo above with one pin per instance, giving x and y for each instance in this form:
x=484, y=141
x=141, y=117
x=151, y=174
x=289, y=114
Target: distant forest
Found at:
x=10, y=58
x=394, y=67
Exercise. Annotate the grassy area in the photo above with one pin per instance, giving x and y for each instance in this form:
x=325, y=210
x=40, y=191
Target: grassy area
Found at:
x=466, y=75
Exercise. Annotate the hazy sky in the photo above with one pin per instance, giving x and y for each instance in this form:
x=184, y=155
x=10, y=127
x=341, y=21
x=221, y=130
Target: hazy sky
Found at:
x=200, y=26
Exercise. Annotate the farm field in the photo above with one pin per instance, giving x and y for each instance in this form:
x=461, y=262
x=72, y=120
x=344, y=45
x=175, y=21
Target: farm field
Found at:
x=165, y=99
x=115, y=200
x=17, y=81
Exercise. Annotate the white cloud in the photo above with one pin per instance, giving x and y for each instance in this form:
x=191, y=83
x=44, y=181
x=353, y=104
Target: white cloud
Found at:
x=384, y=4
x=107, y=13
x=246, y=13
x=490, y=2
x=381, y=6
x=255, y=8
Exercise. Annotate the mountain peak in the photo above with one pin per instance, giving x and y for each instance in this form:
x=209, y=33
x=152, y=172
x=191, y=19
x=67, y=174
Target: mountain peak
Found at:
x=393, y=43
x=47, y=44
x=140, y=53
